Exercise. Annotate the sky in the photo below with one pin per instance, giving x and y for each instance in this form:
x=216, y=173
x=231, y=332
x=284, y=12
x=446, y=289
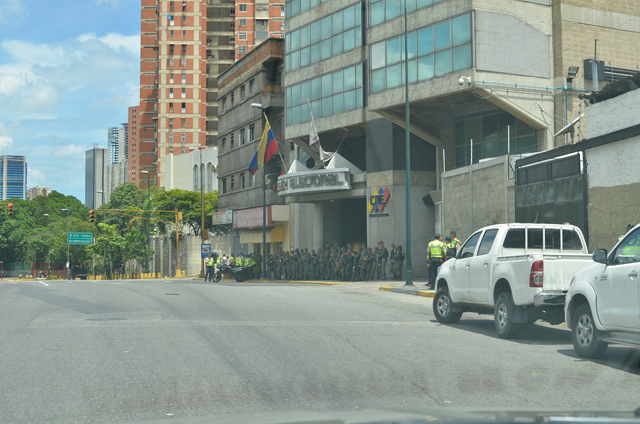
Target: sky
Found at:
x=69, y=69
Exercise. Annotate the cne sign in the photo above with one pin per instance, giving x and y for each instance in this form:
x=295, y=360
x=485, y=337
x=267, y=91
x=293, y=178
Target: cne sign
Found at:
x=311, y=182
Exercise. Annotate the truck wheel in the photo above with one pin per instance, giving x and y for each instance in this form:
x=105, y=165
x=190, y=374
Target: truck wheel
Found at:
x=584, y=334
x=503, y=317
x=442, y=308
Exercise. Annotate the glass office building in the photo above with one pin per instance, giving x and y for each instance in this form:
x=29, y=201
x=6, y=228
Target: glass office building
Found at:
x=13, y=170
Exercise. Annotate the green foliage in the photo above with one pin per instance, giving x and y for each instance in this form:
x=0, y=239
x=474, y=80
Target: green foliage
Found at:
x=189, y=203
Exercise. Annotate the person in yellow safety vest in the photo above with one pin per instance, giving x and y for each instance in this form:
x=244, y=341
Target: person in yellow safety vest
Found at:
x=436, y=255
x=454, y=239
x=209, y=264
x=251, y=264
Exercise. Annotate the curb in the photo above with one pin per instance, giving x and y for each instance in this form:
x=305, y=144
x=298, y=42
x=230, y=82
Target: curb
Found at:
x=324, y=283
x=423, y=293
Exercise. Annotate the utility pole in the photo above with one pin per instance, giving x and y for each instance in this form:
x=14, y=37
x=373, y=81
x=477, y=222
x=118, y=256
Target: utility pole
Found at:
x=148, y=212
x=68, y=263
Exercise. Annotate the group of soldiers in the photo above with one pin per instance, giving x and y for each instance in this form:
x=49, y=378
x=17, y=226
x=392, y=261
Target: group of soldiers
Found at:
x=350, y=263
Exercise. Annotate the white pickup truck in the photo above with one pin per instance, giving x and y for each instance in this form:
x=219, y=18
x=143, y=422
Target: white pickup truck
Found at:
x=518, y=272
x=603, y=302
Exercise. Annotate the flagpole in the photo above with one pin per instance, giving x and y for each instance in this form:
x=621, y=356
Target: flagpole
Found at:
x=264, y=212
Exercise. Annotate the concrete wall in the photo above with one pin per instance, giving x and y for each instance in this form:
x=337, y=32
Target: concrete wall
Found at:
x=614, y=114
x=506, y=44
x=115, y=175
x=613, y=202
x=476, y=196
x=307, y=225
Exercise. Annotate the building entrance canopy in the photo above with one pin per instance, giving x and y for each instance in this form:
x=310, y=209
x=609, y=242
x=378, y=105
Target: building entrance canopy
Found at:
x=273, y=235
x=318, y=181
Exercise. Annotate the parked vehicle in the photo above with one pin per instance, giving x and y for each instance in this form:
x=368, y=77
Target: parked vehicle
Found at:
x=518, y=272
x=237, y=273
x=603, y=302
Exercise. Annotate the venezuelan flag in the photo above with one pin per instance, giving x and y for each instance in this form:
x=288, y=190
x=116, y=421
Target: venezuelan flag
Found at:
x=266, y=149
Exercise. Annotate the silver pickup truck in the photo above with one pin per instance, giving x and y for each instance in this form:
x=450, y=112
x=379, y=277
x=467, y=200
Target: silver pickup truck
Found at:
x=518, y=272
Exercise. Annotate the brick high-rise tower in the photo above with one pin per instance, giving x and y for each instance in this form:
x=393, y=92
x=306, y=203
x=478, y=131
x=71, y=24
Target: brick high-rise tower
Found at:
x=181, y=50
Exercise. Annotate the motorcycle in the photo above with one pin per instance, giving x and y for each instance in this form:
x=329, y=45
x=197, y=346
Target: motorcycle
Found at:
x=236, y=272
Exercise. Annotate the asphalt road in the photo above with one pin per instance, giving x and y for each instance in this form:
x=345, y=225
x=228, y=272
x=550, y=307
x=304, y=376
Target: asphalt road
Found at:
x=87, y=351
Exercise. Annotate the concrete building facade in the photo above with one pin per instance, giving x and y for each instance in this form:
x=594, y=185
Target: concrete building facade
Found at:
x=36, y=191
x=185, y=172
x=13, y=177
x=255, y=21
x=133, y=172
x=96, y=161
x=255, y=79
x=486, y=79
x=182, y=52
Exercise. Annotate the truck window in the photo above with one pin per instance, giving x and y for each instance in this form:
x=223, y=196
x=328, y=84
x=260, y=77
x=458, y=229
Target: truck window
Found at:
x=487, y=242
x=571, y=240
x=514, y=239
x=552, y=238
x=629, y=250
x=534, y=238
x=470, y=246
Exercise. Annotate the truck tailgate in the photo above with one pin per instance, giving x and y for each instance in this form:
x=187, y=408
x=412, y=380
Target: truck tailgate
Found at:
x=560, y=269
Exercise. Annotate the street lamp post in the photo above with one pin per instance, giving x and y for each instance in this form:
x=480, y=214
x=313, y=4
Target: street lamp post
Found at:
x=68, y=263
x=264, y=205
x=148, y=212
x=193, y=148
x=104, y=249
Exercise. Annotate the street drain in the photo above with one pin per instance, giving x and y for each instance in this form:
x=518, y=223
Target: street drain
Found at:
x=105, y=319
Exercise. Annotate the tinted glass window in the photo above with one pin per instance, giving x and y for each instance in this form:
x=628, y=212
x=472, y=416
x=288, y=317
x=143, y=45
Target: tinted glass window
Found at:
x=571, y=240
x=629, y=250
x=470, y=246
x=514, y=239
x=487, y=242
x=534, y=240
x=552, y=238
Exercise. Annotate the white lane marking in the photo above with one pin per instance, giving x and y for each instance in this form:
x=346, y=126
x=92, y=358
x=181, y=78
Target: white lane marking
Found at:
x=42, y=282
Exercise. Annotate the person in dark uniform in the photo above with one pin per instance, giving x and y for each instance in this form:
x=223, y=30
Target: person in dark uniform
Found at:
x=384, y=255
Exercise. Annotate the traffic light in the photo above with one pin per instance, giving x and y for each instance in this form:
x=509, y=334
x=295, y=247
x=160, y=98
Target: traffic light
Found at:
x=10, y=209
x=91, y=217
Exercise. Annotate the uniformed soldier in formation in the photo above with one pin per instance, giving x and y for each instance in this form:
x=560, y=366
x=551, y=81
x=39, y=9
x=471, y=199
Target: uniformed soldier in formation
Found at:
x=384, y=255
x=399, y=263
x=306, y=265
x=393, y=255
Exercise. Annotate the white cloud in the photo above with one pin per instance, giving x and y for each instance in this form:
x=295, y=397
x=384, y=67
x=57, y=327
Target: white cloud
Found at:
x=69, y=150
x=5, y=141
x=37, y=177
x=130, y=43
x=111, y=2
x=11, y=8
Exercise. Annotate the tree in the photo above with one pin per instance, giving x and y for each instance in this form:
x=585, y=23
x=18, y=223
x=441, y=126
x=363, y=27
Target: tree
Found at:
x=188, y=202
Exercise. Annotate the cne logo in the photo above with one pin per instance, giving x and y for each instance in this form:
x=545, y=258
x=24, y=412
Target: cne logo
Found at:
x=378, y=200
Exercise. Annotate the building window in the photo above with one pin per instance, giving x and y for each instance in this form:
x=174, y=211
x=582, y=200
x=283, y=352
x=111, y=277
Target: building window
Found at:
x=243, y=22
x=232, y=182
x=184, y=6
x=489, y=131
x=232, y=98
x=171, y=35
x=242, y=35
x=243, y=7
x=251, y=133
x=433, y=51
x=232, y=54
x=282, y=11
x=260, y=35
x=183, y=62
x=281, y=25
x=232, y=25
x=171, y=21
x=224, y=104
x=184, y=34
x=170, y=63
x=223, y=145
x=170, y=107
x=184, y=78
x=183, y=137
x=171, y=48
x=232, y=12
x=171, y=93
x=170, y=136
x=171, y=122
x=184, y=49
x=242, y=93
x=241, y=137
x=184, y=92
x=296, y=7
x=242, y=180
x=384, y=10
x=231, y=141
x=252, y=87
x=183, y=122
x=184, y=20
x=171, y=78
x=322, y=39
x=242, y=49
x=336, y=92
x=184, y=108
x=232, y=40
x=224, y=186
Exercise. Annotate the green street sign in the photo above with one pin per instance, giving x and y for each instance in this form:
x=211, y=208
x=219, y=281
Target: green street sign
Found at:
x=79, y=238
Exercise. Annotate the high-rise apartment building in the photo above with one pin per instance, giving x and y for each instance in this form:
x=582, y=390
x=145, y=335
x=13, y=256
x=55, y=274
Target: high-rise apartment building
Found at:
x=182, y=49
x=96, y=161
x=13, y=174
x=132, y=146
x=36, y=191
x=255, y=21
x=117, y=144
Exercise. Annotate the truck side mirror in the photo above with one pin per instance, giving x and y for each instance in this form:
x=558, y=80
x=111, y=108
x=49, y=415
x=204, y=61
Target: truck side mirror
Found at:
x=600, y=256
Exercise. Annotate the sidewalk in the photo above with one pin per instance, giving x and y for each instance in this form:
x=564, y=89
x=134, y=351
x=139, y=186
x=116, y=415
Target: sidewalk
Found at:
x=419, y=288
